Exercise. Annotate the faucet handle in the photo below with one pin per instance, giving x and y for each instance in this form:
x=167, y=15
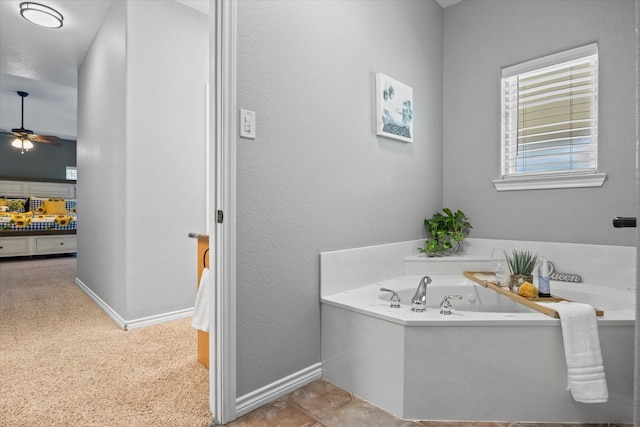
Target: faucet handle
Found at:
x=445, y=305
x=395, y=298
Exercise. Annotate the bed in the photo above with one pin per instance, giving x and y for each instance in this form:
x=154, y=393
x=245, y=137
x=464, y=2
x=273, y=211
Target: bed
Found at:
x=37, y=217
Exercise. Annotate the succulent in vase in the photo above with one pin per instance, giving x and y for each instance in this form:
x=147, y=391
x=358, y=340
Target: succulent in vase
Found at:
x=446, y=230
x=521, y=264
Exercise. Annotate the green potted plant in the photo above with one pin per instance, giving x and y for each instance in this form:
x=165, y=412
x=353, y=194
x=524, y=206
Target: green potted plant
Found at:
x=446, y=231
x=521, y=264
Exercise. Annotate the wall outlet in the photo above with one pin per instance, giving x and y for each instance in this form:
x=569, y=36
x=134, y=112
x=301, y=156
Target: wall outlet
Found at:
x=247, y=124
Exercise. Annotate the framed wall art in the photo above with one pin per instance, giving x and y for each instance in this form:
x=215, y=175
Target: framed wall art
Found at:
x=394, y=109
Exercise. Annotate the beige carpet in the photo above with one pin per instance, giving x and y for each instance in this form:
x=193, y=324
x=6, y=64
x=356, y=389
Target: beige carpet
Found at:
x=63, y=362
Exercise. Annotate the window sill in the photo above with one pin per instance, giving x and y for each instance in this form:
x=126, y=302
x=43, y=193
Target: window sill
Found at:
x=550, y=182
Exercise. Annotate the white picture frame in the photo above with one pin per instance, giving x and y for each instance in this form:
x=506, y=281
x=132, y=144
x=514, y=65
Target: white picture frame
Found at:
x=394, y=109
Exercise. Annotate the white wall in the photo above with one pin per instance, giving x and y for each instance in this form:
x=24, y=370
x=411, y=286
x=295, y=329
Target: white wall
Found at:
x=101, y=161
x=167, y=70
x=317, y=178
x=141, y=147
x=481, y=37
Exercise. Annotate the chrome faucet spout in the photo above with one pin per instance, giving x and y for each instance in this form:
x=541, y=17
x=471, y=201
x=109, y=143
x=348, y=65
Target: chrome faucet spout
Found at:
x=419, y=300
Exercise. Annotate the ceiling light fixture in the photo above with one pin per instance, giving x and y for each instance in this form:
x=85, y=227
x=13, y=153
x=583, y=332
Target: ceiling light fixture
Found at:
x=40, y=14
x=23, y=144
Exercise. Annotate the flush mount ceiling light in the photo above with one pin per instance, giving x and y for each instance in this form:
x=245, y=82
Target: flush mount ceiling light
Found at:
x=40, y=14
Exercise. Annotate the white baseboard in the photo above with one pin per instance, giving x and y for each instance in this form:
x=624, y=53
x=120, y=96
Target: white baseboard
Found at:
x=133, y=323
x=271, y=392
x=157, y=319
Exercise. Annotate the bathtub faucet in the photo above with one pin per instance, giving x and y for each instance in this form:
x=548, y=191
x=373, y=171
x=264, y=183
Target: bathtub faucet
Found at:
x=419, y=300
x=395, y=299
x=445, y=305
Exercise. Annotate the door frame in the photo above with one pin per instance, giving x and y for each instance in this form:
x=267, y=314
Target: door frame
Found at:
x=222, y=74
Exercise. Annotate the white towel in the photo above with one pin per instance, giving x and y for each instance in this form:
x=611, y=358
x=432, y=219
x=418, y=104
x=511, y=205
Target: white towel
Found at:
x=585, y=369
x=201, y=309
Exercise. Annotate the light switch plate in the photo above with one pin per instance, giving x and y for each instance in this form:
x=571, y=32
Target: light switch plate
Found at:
x=247, y=124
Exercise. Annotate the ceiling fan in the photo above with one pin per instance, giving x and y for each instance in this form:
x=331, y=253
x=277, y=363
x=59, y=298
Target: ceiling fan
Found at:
x=25, y=137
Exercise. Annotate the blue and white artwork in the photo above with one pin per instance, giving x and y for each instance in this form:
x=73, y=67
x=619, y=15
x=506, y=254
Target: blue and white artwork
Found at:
x=394, y=109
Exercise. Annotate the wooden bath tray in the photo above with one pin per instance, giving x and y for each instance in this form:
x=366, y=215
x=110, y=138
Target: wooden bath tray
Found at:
x=487, y=279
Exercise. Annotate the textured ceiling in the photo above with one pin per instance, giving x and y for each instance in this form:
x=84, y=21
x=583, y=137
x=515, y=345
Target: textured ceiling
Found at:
x=44, y=62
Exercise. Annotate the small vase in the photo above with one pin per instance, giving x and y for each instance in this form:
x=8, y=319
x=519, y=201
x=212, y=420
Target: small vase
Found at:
x=446, y=252
x=519, y=279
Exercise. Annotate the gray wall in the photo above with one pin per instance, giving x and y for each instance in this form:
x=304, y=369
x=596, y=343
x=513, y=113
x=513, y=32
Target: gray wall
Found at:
x=43, y=161
x=141, y=150
x=101, y=156
x=317, y=177
x=480, y=37
x=167, y=76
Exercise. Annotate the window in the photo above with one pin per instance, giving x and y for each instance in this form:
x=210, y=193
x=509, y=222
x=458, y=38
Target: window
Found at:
x=550, y=122
x=72, y=173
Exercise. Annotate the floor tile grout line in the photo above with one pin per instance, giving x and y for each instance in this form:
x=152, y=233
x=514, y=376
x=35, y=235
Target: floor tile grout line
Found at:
x=350, y=402
x=298, y=407
x=319, y=420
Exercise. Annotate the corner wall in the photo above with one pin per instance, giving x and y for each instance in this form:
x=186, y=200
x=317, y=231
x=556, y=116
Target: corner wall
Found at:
x=317, y=178
x=141, y=158
x=481, y=37
x=101, y=158
x=167, y=73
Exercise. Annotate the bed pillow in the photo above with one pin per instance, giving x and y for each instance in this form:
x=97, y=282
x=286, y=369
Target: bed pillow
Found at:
x=13, y=204
x=35, y=204
x=55, y=207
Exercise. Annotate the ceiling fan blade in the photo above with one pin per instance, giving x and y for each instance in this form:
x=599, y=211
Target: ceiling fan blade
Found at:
x=46, y=139
x=27, y=133
x=9, y=133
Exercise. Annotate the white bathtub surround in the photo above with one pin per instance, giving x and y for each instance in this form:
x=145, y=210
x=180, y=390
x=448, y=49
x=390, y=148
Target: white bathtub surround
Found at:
x=606, y=265
x=341, y=270
x=499, y=365
x=479, y=305
x=611, y=266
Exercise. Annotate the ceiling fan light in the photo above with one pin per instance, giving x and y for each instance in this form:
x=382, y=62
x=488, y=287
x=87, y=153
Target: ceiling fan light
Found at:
x=23, y=144
x=40, y=14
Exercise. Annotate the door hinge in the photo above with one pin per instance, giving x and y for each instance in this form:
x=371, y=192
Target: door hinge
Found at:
x=220, y=217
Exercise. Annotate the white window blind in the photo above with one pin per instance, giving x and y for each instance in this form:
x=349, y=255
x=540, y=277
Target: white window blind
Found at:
x=550, y=115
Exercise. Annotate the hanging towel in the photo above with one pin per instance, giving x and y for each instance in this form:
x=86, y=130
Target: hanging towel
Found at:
x=201, y=309
x=585, y=369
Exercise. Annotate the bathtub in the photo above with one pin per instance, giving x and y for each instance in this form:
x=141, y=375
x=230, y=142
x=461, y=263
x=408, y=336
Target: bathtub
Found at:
x=492, y=359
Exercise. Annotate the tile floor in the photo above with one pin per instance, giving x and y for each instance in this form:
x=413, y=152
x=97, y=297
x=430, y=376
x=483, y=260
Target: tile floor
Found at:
x=323, y=404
